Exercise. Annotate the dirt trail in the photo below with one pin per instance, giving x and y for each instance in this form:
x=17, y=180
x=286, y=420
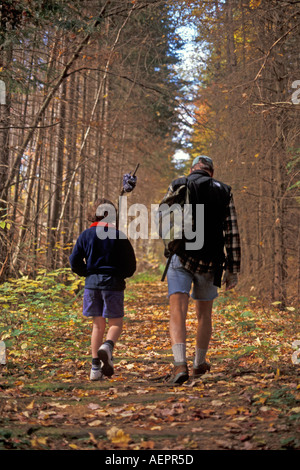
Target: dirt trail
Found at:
x=244, y=403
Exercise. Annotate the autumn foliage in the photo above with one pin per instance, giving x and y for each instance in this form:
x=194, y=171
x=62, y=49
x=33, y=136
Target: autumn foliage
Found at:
x=88, y=89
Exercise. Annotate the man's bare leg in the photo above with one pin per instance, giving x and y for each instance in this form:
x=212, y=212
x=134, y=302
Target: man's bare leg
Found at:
x=203, y=335
x=178, y=310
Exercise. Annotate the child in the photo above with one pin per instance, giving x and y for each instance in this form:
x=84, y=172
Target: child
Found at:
x=105, y=259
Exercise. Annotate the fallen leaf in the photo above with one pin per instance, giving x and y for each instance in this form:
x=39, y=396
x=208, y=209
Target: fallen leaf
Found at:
x=96, y=422
x=117, y=436
x=46, y=414
x=224, y=444
x=58, y=405
x=38, y=441
x=93, y=406
x=296, y=409
x=74, y=446
x=147, y=445
x=217, y=403
x=231, y=411
x=93, y=439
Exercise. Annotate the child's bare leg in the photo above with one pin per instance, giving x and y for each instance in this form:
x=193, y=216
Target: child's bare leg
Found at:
x=97, y=334
x=96, y=341
x=115, y=326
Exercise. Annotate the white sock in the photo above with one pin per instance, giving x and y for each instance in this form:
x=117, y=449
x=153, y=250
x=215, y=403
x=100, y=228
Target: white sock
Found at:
x=179, y=352
x=200, y=356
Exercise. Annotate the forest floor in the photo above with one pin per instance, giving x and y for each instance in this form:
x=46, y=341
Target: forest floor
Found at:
x=249, y=400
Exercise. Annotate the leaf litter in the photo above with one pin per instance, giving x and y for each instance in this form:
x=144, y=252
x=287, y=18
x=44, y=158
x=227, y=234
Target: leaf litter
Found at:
x=249, y=400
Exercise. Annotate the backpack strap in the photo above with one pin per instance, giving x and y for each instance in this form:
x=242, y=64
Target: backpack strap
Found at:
x=179, y=182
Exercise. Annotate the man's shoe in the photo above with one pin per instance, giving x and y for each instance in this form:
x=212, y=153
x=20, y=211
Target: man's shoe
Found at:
x=96, y=374
x=105, y=355
x=201, y=369
x=179, y=374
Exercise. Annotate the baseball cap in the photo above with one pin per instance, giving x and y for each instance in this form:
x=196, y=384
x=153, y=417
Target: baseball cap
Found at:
x=203, y=159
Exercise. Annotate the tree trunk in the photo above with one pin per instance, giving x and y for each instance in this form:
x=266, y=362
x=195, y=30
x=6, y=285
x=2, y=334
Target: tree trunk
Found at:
x=231, y=55
x=57, y=182
x=5, y=97
x=280, y=171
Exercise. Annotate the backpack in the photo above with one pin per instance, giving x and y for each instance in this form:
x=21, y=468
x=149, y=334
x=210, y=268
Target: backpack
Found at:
x=173, y=234
x=171, y=214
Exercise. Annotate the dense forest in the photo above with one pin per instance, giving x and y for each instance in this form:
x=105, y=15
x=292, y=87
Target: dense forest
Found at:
x=91, y=88
x=247, y=118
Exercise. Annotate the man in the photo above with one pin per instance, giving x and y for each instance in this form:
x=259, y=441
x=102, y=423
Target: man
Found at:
x=202, y=267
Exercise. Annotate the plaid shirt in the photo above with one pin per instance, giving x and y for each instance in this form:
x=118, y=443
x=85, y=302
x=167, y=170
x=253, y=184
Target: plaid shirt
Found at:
x=231, y=243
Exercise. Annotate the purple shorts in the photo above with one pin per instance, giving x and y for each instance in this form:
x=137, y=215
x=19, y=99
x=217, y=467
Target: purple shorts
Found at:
x=103, y=303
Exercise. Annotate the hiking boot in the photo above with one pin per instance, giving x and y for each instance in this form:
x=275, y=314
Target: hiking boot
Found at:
x=105, y=355
x=96, y=374
x=201, y=369
x=179, y=374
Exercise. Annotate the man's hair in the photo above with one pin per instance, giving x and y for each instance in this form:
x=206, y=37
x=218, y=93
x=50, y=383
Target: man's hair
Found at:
x=202, y=162
x=202, y=166
x=92, y=213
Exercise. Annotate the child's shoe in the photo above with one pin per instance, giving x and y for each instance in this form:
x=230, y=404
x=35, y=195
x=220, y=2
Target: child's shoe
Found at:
x=105, y=355
x=96, y=374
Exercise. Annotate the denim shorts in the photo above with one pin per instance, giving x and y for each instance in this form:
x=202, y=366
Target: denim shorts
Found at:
x=180, y=281
x=103, y=303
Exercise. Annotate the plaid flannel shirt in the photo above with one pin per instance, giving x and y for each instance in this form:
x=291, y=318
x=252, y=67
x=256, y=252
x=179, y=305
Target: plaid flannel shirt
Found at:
x=231, y=243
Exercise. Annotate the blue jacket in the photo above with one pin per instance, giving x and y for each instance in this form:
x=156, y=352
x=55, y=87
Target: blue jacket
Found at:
x=103, y=257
